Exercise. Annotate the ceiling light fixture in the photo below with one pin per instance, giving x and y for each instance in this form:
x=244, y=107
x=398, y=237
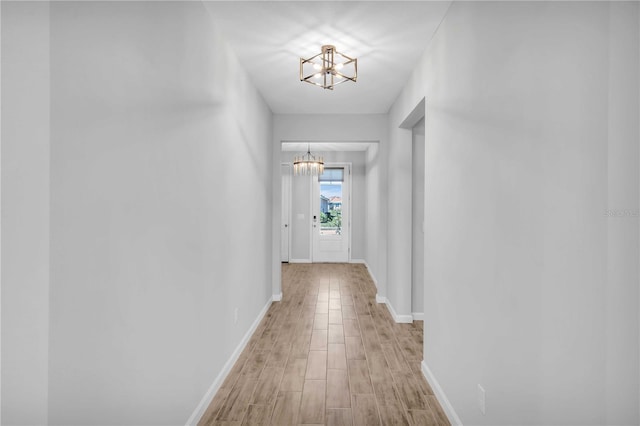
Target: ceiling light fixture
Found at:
x=329, y=67
x=308, y=164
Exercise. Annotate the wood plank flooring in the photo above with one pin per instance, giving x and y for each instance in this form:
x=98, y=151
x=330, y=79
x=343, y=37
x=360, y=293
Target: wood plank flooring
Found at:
x=328, y=354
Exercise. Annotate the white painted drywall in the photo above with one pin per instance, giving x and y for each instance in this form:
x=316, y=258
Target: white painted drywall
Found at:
x=376, y=215
x=417, y=218
x=399, y=213
x=160, y=198
x=372, y=216
x=0, y=213
x=622, y=245
x=340, y=128
x=531, y=135
x=300, y=235
x=358, y=203
x=25, y=212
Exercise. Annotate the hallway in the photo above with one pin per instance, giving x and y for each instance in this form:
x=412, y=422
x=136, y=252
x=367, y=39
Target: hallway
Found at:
x=328, y=354
x=493, y=192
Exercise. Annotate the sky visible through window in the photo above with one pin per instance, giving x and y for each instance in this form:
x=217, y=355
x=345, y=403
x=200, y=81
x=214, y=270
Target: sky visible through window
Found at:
x=331, y=189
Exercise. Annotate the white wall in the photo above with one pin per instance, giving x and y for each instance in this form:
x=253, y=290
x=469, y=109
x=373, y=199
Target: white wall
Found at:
x=158, y=141
x=417, y=218
x=399, y=213
x=622, y=245
x=25, y=212
x=376, y=215
x=531, y=135
x=373, y=169
x=358, y=202
x=301, y=229
x=339, y=128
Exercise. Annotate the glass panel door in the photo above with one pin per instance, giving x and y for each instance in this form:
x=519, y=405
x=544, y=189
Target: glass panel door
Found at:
x=331, y=215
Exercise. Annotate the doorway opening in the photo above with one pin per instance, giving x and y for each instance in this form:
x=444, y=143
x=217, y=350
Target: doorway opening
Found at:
x=417, y=219
x=327, y=202
x=412, y=268
x=325, y=219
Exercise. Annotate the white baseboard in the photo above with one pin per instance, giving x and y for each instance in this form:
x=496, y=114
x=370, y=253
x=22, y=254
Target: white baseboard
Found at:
x=359, y=261
x=299, y=260
x=373, y=277
x=398, y=318
x=276, y=297
x=383, y=299
x=208, y=397
x=404, y=319
x=440, y=396
x=418, y=316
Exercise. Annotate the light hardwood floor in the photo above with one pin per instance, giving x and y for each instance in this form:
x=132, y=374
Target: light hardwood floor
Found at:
x=328, y=354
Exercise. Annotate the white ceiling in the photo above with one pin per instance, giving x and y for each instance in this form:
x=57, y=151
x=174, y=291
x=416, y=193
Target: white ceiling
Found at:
x=326, y=146
x=387, y=37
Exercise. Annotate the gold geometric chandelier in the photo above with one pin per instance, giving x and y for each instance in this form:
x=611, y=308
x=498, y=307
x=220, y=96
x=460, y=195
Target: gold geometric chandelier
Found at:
x=308, y=164
x=328, y=68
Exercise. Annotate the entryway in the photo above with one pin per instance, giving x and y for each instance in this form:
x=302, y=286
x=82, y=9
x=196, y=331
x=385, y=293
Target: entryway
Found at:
x=316, y=211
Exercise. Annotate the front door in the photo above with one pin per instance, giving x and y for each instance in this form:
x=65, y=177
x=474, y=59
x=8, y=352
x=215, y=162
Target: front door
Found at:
x=330, y=216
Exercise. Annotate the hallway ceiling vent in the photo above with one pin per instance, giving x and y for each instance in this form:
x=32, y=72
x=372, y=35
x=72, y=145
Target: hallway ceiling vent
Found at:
x=328, y=68
x=308, y=164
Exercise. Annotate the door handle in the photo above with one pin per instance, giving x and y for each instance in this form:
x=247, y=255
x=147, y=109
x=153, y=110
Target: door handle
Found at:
x=286, y=225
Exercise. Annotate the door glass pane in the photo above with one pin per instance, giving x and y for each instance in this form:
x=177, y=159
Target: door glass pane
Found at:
x=332, y=174
x=331, y=201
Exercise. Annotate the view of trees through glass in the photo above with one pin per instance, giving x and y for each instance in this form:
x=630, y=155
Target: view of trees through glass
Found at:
x=330, y=208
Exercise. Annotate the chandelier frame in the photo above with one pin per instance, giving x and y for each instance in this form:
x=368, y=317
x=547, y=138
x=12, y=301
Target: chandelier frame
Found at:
x=308, y=164
x=325, y=68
